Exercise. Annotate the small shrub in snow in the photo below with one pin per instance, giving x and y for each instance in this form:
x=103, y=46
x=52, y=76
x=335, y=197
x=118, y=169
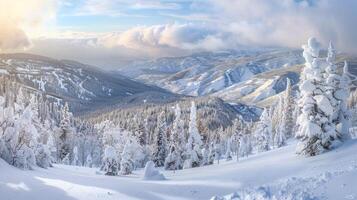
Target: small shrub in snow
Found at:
x=89, y=161
x=65, y=160
x=151, y=173
x=75, y=157
x=43, y=156
x=229, y=151
x=173, y=160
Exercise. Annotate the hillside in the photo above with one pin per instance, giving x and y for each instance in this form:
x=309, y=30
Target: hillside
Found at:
x=84, y=87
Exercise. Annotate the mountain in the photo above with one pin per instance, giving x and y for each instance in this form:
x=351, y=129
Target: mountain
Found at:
x=208, y=73
x=244, y=77
x=84, y=87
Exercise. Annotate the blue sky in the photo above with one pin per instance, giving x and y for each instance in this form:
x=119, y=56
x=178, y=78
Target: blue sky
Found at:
x=109, y=32
x=109, y=15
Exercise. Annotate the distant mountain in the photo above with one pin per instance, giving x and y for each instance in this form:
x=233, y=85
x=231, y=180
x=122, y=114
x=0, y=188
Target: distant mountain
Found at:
x=207, y=73
x=85, y=87
x=248, y=77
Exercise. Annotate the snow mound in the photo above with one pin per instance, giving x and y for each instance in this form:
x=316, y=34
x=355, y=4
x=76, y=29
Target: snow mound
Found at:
x=151, y=173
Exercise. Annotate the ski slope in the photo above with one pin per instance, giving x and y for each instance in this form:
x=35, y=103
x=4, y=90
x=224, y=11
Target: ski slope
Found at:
x=277, y=174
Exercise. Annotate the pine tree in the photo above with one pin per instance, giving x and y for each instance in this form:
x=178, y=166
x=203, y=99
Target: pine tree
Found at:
x=193, y=151
x=160, y=143
x=89, y=161
x=263, y=132
x=126, y=163
x=174, y=160
x=288, y=110
x=229, y=151
x=64, y=133
x=322, y=98
x=110, y=164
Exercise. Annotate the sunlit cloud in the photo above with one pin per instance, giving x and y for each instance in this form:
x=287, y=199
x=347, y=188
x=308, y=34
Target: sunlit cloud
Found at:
x=18, y=22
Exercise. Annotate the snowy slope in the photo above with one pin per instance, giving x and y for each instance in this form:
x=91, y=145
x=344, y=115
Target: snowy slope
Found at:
x=279, y=173
x=261, y=86
x=84, y=86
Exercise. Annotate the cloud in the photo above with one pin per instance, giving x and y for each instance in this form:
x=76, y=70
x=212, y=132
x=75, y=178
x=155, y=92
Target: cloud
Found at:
x=161, y=39
x=289, y=22
x=110, y=49
x=16, y=20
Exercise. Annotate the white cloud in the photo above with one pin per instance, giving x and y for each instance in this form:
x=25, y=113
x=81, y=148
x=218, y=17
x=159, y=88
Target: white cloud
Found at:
x=18, y=21
x=290, y=22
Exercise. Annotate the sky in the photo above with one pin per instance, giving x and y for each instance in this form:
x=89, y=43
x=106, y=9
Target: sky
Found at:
x=109, y=33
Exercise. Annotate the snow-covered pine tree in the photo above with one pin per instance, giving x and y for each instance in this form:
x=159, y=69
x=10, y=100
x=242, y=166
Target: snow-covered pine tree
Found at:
x=110, y=164
x=75, y=160
x=194, y=142
x=89, y=161
x=321, y=102
x=229, y=150
x=160, y=141
x=64, y=134
x=263, y=132
x=126, y=163
x=177, y=141
x=66, y=160
x=281, y=128
x=288, y=110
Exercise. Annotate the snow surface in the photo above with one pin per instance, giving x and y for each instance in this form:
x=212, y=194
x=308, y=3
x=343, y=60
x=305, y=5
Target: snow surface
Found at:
x=279, y=174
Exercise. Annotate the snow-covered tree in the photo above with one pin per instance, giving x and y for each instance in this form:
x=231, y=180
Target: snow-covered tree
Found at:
x=288, y=110
x=282, y=128
x=89, y=161
x=126, y=163
x=43, y=156
x=263, y=132
x=110, y=164
x=64, y=134
x=160, y=142
x=75, y=160
x=174, y=159
x=322, y=102
x=66, y=160
x=193, y=146
x=229, y=150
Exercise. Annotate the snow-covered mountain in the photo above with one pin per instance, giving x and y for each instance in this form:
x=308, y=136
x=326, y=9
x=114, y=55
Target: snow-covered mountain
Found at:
x=208, y=73
x=85, y=87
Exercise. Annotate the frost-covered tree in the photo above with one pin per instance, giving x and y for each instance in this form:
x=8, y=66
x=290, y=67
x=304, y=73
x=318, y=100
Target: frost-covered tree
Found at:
x=89, y=161
x=43, y=156
x=263, y=132
x=64, y=134
x=174, y=160
x=282, y=128
x=66, y=160
x=160, y=142
x=229, y=150
x=194, y=142
x=75, y=160
x=322, y=102
x=288, y=110
x=110, y=163
x=126, y=163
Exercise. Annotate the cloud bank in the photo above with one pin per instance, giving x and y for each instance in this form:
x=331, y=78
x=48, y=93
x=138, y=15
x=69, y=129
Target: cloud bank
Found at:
x=290, y=22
